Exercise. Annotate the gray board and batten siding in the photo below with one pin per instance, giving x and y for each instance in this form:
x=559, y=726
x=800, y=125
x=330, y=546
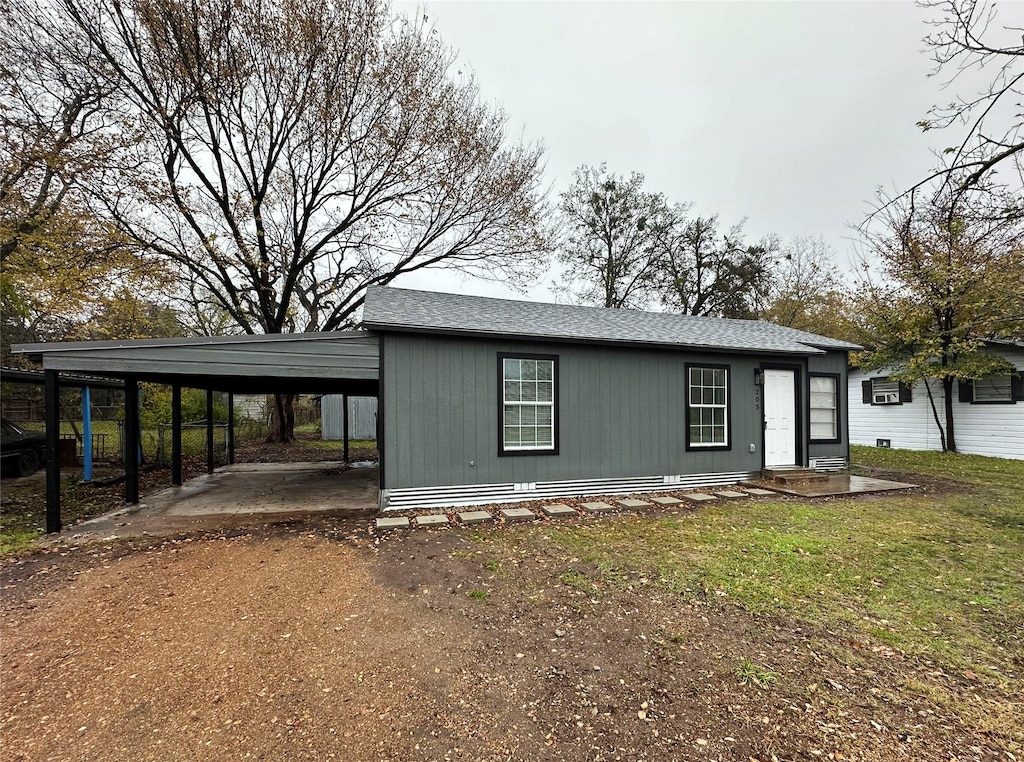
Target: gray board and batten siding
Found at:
x=621, y=414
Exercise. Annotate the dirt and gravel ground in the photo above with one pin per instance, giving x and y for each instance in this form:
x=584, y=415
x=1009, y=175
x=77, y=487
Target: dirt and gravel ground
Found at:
x=317, y=640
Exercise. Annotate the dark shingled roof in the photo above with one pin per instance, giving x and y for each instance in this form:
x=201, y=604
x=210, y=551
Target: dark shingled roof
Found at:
x=403, y=309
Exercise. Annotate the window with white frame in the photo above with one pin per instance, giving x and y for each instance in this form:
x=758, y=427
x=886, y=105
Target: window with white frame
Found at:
x=993, y=389
x=708, y=397
x=885, y=391
x=528, y=404
x=824, y=408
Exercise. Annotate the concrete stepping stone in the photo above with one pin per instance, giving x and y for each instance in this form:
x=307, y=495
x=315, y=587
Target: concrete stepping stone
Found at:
x=698, y=497
x=517, y=514
x=631, y=503
x=731, y=494
x=475, y=517
x=597, y=507
x=394, y=522
x=757, y=491
x=432, y=520
x=666, y=501
x=559, y=509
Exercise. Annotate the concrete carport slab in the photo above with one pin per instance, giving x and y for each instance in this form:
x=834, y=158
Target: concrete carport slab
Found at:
x=246, y=493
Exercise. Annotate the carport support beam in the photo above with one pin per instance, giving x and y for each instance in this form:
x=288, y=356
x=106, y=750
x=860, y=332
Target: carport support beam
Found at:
x=209, y=431
x=344, y=425
x=51, y=401
x=231, y=428
x=176, y=435
x=132, y=440
x=86, y=435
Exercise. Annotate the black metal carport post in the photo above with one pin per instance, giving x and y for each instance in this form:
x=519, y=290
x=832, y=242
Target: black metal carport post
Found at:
x=344, y=425
x=131, y=440
x=231, y=428
x=176, y=434
x=209, y=431
x=51, y=403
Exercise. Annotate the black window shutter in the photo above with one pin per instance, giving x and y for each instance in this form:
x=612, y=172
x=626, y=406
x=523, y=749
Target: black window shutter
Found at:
x=865, y=387
x=1017, y=386
x=966, y=390
x=906, y=393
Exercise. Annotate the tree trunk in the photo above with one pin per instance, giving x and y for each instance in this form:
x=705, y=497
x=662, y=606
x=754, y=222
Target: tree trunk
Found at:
x=935, y=414
x=282, y=419
x=947, y=391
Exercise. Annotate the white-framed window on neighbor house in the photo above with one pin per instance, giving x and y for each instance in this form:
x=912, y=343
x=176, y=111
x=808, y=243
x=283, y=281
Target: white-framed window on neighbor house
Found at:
x=993, y=389
x=824, y=408
x=885, y=391
x=707, y=406
x=529, y=393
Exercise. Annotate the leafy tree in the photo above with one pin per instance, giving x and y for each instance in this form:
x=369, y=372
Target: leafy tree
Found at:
x=293, y=152
x=968, y=37
x=703, y=271
x=607, y=253
x=951, y=276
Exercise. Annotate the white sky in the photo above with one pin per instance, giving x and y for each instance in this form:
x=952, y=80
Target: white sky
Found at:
x=790, y=114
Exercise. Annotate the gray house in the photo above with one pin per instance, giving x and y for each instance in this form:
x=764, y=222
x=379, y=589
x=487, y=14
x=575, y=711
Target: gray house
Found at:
x=485, y=400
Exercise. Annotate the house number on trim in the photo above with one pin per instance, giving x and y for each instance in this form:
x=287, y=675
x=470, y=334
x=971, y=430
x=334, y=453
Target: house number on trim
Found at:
x=757, y=399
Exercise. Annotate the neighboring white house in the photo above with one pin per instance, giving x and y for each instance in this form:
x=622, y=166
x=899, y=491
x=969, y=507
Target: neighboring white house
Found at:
x=988, y=414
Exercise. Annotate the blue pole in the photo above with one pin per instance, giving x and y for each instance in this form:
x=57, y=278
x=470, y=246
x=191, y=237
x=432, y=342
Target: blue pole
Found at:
x=86, y=435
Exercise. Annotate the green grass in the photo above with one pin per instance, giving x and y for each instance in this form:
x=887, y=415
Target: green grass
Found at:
x=749, y=673
x=479, y=595
x=937, y=575
x=338, y=444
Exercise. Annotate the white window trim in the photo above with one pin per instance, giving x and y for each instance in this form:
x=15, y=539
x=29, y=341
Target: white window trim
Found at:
x=690, y=406
x=528, y=403
x=834, y=409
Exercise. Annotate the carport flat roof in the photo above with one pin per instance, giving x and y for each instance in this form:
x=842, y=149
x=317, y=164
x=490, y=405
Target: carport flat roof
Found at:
x=336, y=361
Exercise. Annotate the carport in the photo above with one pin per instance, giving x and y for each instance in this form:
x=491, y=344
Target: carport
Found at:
x=340, y=362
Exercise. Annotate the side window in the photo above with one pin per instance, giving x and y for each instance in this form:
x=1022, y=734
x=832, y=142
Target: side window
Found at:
x=993, y=389
x=528, y=404
x=885, y=391
x=824, y=409
x=707, y=404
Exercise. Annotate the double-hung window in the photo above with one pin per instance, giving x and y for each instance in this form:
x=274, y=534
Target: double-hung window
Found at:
x=993, y=389
x=528, y=413
x=885, y=391
x=825, y=408
x=707, y=406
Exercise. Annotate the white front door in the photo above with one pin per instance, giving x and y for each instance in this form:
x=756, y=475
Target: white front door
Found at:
x=780, y=418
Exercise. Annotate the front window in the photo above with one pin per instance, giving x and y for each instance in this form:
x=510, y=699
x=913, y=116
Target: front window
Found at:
x=528, y=404
x=993, y=389
x=708, y=397
x=824, y=409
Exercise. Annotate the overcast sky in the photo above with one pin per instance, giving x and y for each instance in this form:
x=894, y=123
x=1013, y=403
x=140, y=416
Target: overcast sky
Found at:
x=790, y=114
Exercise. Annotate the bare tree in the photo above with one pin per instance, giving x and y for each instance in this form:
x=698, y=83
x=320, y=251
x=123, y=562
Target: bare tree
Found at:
x=703, y=271
x=609, y=221
x=294, y=152
x=969, y=40
x=804, y=283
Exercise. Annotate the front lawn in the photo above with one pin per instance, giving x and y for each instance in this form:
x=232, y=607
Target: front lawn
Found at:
x=934, y=574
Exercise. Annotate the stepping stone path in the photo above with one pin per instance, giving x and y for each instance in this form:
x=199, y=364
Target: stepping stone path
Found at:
x=475, y=517
x=698, y=497
x=666, y=501
x=397, y=522
x=559, y=509
x=517, y=514
x=757, y=491
x=432, y=520
x=630, y=503
x=730, y=494
x=597, y=507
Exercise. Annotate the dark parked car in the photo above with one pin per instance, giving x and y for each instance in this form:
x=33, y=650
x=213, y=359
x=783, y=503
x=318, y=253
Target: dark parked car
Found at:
x=21, y=451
